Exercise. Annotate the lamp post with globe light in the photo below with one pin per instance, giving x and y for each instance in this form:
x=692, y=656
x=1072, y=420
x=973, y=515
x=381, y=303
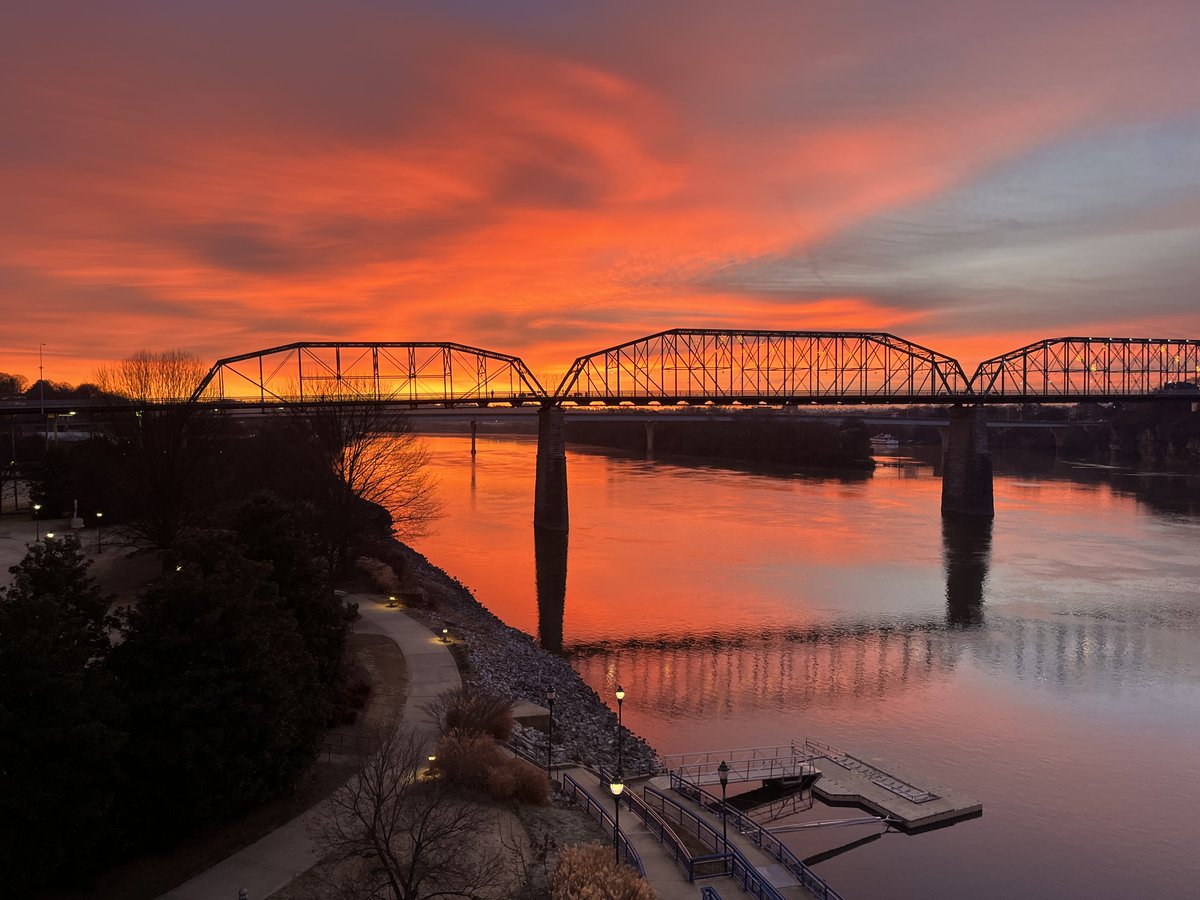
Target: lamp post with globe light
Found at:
x=723, y=773
x=620, y=730
x=37, y=522
x=550, y=727
x=616, y=786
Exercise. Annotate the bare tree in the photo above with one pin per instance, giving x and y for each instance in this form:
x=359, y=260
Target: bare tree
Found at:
x=146, y=376
x=375, y=454
x=168, y=471
x=414, y=837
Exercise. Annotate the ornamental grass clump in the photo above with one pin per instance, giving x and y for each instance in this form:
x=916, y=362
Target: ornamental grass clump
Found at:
x=517, y=781
x=589, y=872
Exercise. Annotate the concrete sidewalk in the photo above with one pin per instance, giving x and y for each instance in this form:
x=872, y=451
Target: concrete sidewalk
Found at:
x=271, y=862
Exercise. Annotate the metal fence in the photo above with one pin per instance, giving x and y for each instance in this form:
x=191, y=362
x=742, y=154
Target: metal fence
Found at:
x=761, y=838
x=596, y=810
x=731, y=862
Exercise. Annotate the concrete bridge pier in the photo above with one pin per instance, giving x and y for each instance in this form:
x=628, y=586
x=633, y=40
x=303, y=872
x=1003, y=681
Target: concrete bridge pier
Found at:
x=650, y=440
x=967, y=465
x=550, y=487
x=474, y=432
x=1060, y=437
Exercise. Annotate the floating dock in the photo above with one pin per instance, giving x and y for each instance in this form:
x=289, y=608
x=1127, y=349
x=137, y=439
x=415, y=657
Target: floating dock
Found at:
x=842, y=779
x=877, y=786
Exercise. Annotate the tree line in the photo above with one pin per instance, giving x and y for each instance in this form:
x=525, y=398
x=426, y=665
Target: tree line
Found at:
x=125, y=728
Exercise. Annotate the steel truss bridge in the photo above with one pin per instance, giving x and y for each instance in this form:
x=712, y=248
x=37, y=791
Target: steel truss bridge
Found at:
x=709, y=366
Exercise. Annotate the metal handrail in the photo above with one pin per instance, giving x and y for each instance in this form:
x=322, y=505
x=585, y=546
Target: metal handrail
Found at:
x=661, y=830
x=760, y=836
x=733, y=861
x=577, y=792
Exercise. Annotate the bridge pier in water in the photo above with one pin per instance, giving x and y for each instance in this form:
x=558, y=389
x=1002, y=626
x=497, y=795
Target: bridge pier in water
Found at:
x=650, y=440
x=967, y=464
x=550, y=488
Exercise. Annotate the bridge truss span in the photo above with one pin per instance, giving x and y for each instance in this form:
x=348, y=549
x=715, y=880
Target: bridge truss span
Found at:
x=723, y=366
x=1075, y=369
x=401, y=373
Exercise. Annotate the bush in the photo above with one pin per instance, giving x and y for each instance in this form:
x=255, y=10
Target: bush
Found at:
x=381, y=574
x=469, y=710
x=589, y=871
x=467, y=760
x=517, y=781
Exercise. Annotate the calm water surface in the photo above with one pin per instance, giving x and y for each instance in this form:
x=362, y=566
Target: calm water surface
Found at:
x=1047, y=665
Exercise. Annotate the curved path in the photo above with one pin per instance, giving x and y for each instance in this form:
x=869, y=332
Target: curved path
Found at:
x=274, y=860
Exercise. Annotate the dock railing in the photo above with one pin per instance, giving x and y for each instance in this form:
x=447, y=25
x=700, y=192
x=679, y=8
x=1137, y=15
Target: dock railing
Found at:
x=746, y=764
x=596, y=810
x=760, y=836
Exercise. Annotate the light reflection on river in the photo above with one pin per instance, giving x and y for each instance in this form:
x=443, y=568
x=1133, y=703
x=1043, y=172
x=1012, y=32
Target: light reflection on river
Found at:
x=1048, y=666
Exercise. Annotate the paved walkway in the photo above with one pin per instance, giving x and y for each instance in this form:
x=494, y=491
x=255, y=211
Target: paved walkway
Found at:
x=271, y=862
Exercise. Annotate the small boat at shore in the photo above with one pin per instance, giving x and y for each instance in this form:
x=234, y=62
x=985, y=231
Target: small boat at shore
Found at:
x=884, y=442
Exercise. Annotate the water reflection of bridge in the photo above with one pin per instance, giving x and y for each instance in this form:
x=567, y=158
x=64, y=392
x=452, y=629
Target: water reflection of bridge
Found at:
x=826, y=666
x=966, y=551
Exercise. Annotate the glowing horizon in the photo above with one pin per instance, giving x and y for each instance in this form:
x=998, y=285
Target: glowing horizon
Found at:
x=546, y=181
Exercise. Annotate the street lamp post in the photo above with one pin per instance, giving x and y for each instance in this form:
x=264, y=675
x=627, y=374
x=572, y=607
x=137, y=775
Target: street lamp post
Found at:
x=37, y=523
x=99, y=531
x=620, y=731
x=617, y=785
x=723, y=773
x=550, y=728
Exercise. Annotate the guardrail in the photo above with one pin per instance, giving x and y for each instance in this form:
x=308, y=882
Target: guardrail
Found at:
x=760, y=836
x=693, y=866
x=732, y=862
x=339, y=743
x=708, y=892
x=576, y=792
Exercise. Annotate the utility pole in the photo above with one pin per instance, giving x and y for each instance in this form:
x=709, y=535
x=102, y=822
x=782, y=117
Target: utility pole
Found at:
x=42, y=392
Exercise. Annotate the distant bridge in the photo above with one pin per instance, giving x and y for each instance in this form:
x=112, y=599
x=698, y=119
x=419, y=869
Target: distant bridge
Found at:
x=710, y=367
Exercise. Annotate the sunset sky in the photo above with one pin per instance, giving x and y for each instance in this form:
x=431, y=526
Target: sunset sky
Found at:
x=549, y=178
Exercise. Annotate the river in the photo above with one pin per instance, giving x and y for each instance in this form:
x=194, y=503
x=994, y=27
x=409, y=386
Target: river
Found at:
x=1047, y=665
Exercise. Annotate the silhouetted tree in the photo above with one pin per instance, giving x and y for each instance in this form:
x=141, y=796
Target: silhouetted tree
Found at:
x=362, y=470
x=12, y=385
x=271, y=532
x=218, y=685
x=152, y=377
x=59, y=720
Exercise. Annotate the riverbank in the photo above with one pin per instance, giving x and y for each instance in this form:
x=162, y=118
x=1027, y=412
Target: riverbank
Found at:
x=510, y=662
